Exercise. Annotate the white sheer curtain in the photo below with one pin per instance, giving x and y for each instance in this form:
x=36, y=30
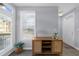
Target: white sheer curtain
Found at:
x=27, y=27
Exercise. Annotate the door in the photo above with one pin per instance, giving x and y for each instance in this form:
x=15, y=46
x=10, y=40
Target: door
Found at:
x=68, y=29
x=27, y=27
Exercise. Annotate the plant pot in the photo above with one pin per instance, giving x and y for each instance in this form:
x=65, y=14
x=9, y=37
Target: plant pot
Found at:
x=18, y=50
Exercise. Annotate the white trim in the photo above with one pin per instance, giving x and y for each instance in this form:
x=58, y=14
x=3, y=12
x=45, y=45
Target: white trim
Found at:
x=27, y=48
x=6, y=51
x=35, y=34
x=72, y=46
x=76, y=48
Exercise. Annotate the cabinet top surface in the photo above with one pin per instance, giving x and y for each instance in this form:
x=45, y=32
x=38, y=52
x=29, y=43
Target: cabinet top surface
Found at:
x=46, y=38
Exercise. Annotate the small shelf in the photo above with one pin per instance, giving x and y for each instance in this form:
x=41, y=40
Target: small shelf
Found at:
x=46, y=43
x=46, y=46
x=46, y=50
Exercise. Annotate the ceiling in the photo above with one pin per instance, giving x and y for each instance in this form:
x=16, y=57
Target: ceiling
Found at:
x=44, y=4
x=62, y=7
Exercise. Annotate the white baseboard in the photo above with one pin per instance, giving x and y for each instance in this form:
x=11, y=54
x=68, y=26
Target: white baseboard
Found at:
x=6, y=51
x=9, y=52
x=73, y=46
x=27, y=48
x=76, y=48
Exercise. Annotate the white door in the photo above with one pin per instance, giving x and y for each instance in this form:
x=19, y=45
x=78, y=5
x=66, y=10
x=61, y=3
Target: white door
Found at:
x=27, y=27
x=68, y=29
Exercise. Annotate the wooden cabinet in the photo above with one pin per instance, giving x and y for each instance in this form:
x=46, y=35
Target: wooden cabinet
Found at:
x=47, y=45
x=37, y=44
x=57, y=46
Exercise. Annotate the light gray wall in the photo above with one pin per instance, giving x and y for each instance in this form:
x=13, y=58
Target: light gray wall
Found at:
x=60, y=26
x=77, y=27
x=46, y=21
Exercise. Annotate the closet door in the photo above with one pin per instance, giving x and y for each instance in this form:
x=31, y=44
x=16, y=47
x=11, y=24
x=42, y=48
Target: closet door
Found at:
x=68, y=29
x=37, y=46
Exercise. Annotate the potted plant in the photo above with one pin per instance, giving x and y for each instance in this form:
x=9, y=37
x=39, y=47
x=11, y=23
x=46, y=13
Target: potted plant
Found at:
x=19, y=47
x=55, y=35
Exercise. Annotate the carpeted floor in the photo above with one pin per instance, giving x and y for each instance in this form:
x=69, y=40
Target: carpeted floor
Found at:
x=67, y=51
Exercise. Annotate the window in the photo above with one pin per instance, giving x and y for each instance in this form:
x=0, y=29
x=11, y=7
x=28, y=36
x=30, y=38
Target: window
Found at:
x=28, y=23
x=5, y=31
x=4, y=26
